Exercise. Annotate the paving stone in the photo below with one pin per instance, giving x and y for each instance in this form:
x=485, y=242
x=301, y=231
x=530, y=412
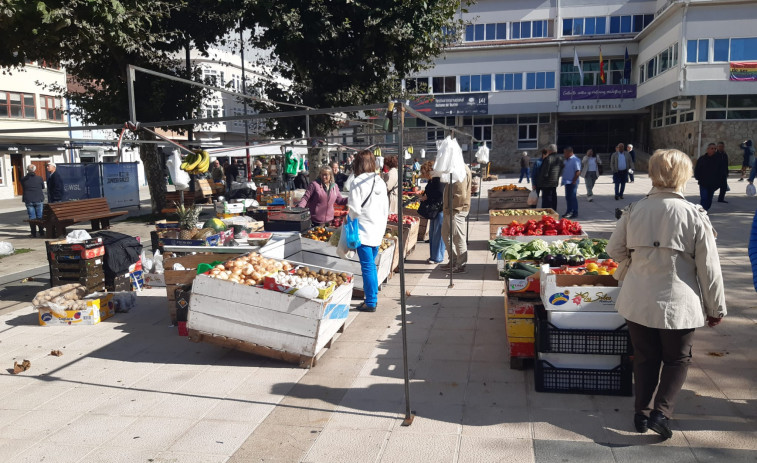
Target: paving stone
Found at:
x=420, y=447
x=549, y=451
x=716, y=455
x=347, y=445
x=636, y=453
x=474, y=449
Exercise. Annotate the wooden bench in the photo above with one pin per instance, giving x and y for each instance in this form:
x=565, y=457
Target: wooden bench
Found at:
x=57, y=216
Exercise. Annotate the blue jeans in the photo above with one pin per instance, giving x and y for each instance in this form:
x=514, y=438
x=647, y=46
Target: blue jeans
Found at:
x=34, y=210
x=570, y=198
x=705, y=196
x=524, y=173
x=620, y=178
x=435, y=241
x=367, y=256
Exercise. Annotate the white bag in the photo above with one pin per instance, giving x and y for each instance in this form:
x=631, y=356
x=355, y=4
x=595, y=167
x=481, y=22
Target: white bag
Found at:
x=533, y=198
x=342, y=250
x=751, y=190
x=482, y=155
x=6, y=249
x=449, y=164
x=179, y=177
x=78, y=236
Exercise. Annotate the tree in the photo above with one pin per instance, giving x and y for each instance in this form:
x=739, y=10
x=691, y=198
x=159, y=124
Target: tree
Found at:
x=97, y=39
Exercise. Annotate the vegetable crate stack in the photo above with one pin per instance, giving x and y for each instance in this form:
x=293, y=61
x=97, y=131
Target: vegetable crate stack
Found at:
x=582, y=343
x=412, y=211
x=270, y=307
x=288, y=219
x=409, y=230
x=499, y=218
x=521, y=301
x=508, y=197
x=77, y=263
x=546, y=228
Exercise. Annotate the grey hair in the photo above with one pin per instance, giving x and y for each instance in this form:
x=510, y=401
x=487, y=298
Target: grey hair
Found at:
x=51, y=164
x=31, y=168
x=552, y=148
x=525, y=153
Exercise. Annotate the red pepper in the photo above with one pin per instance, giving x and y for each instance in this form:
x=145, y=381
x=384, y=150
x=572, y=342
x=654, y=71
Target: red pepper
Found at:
x=550, y=232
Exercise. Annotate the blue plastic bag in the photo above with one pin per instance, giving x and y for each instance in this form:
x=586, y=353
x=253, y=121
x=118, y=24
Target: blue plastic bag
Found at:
x=352, y=233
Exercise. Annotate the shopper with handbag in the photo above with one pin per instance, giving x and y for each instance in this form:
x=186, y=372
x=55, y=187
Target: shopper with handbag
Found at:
x=392, y=181
x=368, y=204
x=672, y=283
x=431, y=209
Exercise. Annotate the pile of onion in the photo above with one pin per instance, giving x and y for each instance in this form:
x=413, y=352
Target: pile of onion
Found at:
x=250, y=269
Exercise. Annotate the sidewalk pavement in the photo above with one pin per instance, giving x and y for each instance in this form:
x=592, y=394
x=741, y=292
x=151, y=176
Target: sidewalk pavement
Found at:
x=131, y=390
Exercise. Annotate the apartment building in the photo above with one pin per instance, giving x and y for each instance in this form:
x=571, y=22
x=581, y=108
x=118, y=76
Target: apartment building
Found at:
x=591, y=74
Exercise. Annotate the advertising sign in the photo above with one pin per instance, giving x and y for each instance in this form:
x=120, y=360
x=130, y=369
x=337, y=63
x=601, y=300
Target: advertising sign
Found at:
x=120, y=184
x=80, y=181
x=467, y=104
x=744, y=71
x=598, y=92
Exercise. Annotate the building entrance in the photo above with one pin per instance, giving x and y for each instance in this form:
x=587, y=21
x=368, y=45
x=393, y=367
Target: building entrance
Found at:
x=600, y=133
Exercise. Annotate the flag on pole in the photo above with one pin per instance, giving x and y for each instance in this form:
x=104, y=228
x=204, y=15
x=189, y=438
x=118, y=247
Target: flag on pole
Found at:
x=627, y=68
x=601, y=67
x=577, y=64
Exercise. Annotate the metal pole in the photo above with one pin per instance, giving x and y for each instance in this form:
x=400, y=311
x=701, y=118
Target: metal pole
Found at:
x=307, y=125
x=244, y=108
x=451, y=225
x=409, y=416
x=130, y=92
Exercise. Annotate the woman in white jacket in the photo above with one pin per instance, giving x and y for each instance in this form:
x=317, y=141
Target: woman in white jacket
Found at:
x=672, y=285
x=368, y=202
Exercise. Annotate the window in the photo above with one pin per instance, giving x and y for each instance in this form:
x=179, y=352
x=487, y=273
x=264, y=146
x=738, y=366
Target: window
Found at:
x=629, y=23
x=720, y=50
x=508, y=82
x=211, y=77
x=482, y=32
x=417, y=85
x=731, y=107
x=666, y=59
x=744, y=49
x=614, y=73
x=52, y=108
x=446, y=84
x=482, y=128
x=528, y=130
x=528, y=29
x=697, y=51
x=17, y=105
x=476, y=83
x=435, y=133
x=540, y=80
x=663, y=114
x=213, y=110
x=642, y=76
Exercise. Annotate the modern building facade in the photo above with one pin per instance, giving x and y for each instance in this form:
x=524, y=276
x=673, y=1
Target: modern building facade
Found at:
x=592, y=74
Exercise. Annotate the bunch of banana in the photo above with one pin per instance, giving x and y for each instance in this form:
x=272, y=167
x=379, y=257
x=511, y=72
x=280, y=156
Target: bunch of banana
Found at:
x=196, y=163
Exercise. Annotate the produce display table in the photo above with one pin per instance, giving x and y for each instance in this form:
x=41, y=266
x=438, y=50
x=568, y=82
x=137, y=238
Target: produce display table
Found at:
x=497, y=221
x=281, y=244
x=409, y=234
x=265, y=322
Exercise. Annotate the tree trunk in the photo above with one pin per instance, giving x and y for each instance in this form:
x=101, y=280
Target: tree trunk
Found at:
x=316, y=157
x=153, y=165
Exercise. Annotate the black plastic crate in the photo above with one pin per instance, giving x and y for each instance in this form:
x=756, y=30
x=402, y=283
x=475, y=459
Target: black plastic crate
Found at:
x=285, y=225
x=551, y=339
x=618, y=381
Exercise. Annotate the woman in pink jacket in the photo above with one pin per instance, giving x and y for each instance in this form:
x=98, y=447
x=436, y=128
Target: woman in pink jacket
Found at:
x=320, y=198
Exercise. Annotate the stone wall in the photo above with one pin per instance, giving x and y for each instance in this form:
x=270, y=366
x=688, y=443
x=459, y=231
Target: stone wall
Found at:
x=685, y=137
x=505, y=155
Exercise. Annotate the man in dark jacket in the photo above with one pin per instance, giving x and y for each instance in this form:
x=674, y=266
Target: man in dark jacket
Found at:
x=723, y=158
x=54, y=184
x=33, y=196
x=708, y=174
x=549, y=177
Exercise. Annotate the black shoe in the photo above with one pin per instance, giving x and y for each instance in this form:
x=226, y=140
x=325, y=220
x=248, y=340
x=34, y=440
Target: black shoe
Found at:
x=569, y=215
x=617, y=197
x=364, y=308
x=722, y=201
x=640, y=422
x=658, y=423
x=621, y=196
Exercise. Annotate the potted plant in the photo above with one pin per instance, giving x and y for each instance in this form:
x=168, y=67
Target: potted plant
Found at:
x=188, y=218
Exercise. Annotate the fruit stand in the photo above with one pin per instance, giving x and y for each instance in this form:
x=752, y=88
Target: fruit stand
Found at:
x=275, y=320
x=498, y=218
x=409, y=235
x=508, y=197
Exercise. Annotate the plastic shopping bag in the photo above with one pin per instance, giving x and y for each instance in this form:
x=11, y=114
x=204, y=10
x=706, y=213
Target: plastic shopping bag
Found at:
x=751, y=190
x=533, y=198
x=351, y=233
x=342, y=250
x=179, y=177
x=449, y=164
x=482, y=155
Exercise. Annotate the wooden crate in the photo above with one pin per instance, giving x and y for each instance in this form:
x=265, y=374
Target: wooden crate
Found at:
x=515, y=199
x=498, y=221
x=269, y=323
x=409, y=234
x=423, y=229
x=177, y=278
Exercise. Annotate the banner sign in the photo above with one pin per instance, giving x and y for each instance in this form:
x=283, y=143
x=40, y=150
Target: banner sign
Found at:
x=80, y=181
x=467, y=104
x=598, y=92
x=744, y=71
x=120, y=184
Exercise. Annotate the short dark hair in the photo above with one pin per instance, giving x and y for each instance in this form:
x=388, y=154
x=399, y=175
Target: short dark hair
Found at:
x=364, y=161
x=569, y=149
x=390, y=162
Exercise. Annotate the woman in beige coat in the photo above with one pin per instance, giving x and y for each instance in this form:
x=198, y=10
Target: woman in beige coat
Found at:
x=392, y=182
x=672, y=283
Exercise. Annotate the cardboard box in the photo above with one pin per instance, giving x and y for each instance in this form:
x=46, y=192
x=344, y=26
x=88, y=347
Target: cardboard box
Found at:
x=155, y=279
x=98, y=309
x=523, y=348
x=517, y=286
x=520, y=328
x=567, y=293
x=517, y=307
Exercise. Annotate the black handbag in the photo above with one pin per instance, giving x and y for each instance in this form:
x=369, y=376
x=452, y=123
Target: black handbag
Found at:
x=429, y=210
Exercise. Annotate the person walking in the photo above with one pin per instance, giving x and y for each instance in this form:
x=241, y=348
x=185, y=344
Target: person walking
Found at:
x=392, y=181
x=431, y=209
x=632, y=152
x=457, y=247
x=525, y=163
x=590, y=172
x=620, y=164
x=535, y=170
x=708, y=173
x=672, y=283
x=320, y=198
x=748, y=161
x=369, y=203
x=232, y=172
x=549, y=177
x=54, y=184
x=570, y=175
x=33, y=197
x=723, y=161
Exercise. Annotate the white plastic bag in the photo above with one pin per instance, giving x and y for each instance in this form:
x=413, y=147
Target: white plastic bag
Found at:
x=482, y=155
x=6, y=249
x=179, y=177
x=751, y=190
x=449, y=164
x=78, y=236
x=533, y=198
x=157, y=262
x=342, y=250
x=147, y=262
